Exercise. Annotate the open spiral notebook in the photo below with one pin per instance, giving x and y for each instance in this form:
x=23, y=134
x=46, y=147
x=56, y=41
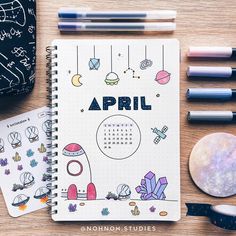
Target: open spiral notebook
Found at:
x=115, y=111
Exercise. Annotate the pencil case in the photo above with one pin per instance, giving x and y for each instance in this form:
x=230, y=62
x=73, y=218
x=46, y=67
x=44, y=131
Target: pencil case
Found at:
x=17, y=46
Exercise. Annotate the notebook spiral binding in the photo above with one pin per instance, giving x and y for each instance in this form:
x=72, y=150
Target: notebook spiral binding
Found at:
x=52, y=98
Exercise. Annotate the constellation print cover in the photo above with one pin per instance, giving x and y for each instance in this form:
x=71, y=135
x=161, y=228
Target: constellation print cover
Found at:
x=17, y=46
x=23, y=161
x=115, y=114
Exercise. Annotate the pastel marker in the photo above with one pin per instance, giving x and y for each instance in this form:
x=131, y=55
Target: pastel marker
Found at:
x=211, y=93
x=212, y=116
x=210, y=71
x=215, y=52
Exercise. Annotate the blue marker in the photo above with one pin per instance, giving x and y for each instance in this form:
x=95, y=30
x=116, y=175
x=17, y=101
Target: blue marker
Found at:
x=211, y=94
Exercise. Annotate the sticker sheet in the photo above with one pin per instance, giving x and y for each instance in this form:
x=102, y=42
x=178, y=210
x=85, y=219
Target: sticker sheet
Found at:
x=23, y=161
x=118, y=130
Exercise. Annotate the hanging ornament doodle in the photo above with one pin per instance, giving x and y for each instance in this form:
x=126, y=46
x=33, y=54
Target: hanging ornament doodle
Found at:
x=76, y=78
x=94, y=63
x=112, y=78
x=129, y=68
x=32, y=133
x=163, y=77
x=14, y=138
x=146, y=62
x=47, y=127
x=2, y=149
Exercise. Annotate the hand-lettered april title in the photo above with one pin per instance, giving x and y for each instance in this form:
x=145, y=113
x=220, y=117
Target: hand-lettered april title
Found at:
x=123, y=103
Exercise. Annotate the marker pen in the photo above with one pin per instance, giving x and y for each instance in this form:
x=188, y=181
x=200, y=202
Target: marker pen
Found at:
x=66, y=13
x=215, y=52
x=210, y=71
x=212, y=116
x=211, y=93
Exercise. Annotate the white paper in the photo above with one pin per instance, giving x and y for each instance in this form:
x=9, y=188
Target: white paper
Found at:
x=149, y=77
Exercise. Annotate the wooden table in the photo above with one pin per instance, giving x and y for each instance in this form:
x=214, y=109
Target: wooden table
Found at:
x=211, y=22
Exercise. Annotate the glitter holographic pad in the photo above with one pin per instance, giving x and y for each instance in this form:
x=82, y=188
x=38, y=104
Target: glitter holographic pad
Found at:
x=212, y=164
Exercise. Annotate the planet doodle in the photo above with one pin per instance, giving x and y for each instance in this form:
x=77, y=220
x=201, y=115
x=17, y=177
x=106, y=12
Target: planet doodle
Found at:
x=163, y=77
x=212, y=164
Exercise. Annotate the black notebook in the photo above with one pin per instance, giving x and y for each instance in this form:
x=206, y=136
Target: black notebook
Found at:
x=17, y=46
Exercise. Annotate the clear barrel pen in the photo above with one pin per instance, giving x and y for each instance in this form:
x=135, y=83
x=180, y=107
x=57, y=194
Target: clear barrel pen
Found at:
x=91, y=26
x=65, y=13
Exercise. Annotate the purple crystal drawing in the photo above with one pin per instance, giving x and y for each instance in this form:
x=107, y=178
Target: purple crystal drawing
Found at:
x=3, y=162
x=150, y=189
x=72, y=207
x=152, y=209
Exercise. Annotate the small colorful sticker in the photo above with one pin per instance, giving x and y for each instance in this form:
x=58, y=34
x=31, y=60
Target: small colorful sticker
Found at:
x=135, y=211
x=42, y=148
x=20, y=201
x=3, y=162
x=14, y=138
x=32, y=133
x=46, y=177
x=72, y=207
x=152, y=209
x=33, y=163
x=45, y=159
x=20, y=167
x=2, y=149
x=105, y=212
x=7, y=172
x=29, y=153
x=17, y=157
x=42, y=194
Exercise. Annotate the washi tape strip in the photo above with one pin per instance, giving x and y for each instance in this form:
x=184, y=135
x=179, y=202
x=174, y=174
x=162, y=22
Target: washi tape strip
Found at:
x=223, y=216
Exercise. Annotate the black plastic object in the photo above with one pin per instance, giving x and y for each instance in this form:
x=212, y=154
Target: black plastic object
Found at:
x=17, y=46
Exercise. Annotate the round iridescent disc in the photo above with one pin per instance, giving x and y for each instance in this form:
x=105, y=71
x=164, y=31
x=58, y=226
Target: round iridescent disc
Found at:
x=212, y=164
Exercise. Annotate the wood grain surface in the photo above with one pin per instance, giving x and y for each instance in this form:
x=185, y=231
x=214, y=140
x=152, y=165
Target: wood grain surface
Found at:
x=199, y=22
